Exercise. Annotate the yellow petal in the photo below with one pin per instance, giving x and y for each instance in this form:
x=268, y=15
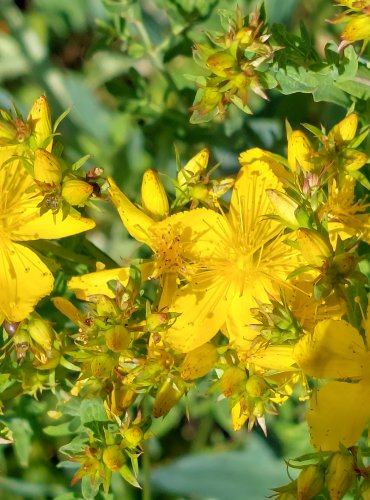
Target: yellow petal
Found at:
x=203, y=306
x=24, y=280
x=96, y=283
x=357, y=29
x=338, y=414
x=47, y=167
x=334, y=350
x=265, y=157
x=279, y=358
x=32, y=226
x=353, y=160
x=135, y=220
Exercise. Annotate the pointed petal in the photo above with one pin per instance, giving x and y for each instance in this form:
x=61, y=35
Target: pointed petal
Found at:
x=40, y=121
x=96, y=283
x=194, y=168
x=24, y=280
x=250, y=156
x=203, y=306
x=135, y=220
x=345, y=130
x=334, y=350
x=338, y=414
x=299, y=151
x=49, y=225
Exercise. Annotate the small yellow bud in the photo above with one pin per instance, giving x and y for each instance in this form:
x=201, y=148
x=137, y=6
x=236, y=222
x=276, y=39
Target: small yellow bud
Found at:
x=76, y=192
x=221, y=63
x=117, y=338
x=42, y=333
x=47, y=168
x=310, y=482
x=39, y=119
x=166, y=398
x=313, y=246
x=255, y=386
x=284, y=206
x=345, y=130
x=199, y=362
x=231, y=380
x=299, y=151
x=113, y=457
x=156, y=322
x=194, y=168
x=199, y=192
x=153, y=196
x=102, y=366
x=133, y=436
x=340, y=475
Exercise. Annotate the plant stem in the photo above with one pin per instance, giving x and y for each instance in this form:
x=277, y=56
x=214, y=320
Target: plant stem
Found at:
x=146, y=474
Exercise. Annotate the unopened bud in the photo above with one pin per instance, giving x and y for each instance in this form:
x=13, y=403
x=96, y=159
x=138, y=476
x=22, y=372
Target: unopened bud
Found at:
x=168, y=394
x=133, y=436
x=255, y=386
x=221, y=63
x=39, y=119
x=199, y=362
x=313, y=246
x=194, y=168
x=153, y=196
x=76, y=192
x=310, y=482
x=231, y=380
x=340, y=475
x=102, y=366
x=284, y=206
x=344, y=264
x=299, y=151
x=47, y=168
x=117, y=338
x=42, y=333
x=113, y=457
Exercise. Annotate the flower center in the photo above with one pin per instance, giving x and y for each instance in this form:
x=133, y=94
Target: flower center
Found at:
x=169, y=251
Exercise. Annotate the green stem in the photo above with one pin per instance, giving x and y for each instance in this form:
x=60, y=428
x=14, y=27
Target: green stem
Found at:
x=59, y=251
x=146, y=474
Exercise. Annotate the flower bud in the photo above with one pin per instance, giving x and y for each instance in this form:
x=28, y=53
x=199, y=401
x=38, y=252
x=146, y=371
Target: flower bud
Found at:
x=157, y=322
x=310, y=482
x=199, y=362
x=231, y=380
x=102, y=366
x=39, y=119
x=255, y=386
x=199, y=192
x=221, y=63
x=133, y=436
x=48, y=362
x=76, y=192
x=47, y=168
x=344, y=264
x=194, y=168
x=284, y=206
x=345, y=130
x=113, y=457
x=153, y=196
x=42, y=333
x=299, y=151
x=166, y=398
x=339, y=475
x=117, y=338
x=8, y=133
x=313, y=246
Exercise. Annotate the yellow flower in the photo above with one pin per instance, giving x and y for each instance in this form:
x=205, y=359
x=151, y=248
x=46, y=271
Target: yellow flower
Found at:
x=346, y=217
x=24, y=278
x=229, y=260
x=357, y=19
x=340, y=409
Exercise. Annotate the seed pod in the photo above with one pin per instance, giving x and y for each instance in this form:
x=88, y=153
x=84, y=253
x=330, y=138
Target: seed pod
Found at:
x=199, y=362
x=47, y=168
x=153, y=196
x=113, y=457
x=310, y=482
x=76, y=192
x=117, y=338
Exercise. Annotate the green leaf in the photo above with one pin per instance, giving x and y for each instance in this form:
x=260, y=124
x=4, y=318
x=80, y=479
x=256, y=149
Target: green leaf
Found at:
x=92, y=410
x=128, y=476
x=22, y=434
x=292, y=80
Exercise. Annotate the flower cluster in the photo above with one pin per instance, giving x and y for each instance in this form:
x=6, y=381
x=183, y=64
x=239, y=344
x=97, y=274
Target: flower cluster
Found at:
x=263, y=296
x=357, y=20
x=237, y=62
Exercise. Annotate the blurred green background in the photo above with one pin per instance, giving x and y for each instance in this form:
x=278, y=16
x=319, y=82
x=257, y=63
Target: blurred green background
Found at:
x=121, y=66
